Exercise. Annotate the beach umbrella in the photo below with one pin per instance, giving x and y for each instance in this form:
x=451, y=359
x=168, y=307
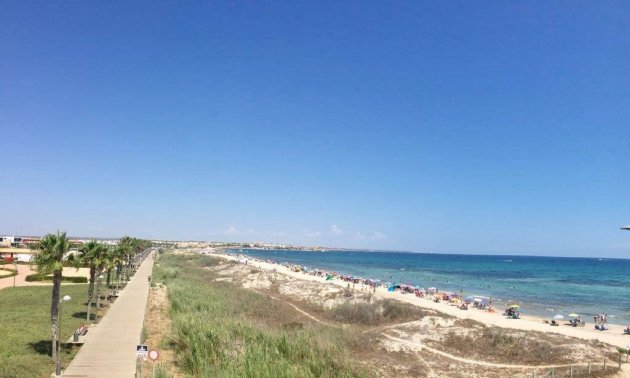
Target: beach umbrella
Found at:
x=558, y=317
x=574, y=315
x=515, y=306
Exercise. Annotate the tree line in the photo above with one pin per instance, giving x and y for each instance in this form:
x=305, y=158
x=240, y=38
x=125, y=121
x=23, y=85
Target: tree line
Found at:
x=121, y=259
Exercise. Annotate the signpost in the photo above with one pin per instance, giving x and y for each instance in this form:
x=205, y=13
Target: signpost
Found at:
x=142, y=350
x=153, y=355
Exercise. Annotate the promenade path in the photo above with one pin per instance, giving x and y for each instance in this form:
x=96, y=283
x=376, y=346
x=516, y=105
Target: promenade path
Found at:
x=110, y=346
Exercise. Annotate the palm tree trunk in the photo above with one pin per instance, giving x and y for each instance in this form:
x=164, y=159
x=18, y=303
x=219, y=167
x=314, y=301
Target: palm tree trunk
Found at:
x=109, y=277
x=54, y=312
x=98, y=295
x=91, y=291
x=118, y=271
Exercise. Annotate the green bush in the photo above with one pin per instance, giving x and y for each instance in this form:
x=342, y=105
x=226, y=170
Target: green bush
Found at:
x=5, y=262
x=38, y=277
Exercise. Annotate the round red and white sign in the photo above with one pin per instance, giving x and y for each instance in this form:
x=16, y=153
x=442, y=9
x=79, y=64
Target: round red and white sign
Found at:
x=153, y=354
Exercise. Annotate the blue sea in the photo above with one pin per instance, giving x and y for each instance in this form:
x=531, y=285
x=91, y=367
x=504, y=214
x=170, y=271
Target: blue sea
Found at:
x=544, y=286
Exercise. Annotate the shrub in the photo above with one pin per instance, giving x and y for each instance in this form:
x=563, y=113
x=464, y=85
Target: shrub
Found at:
x=358, y=313
x=38, y=277
x=376, y=313
x=7, y=260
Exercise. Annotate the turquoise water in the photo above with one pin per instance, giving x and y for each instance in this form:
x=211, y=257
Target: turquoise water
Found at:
x=544, y=286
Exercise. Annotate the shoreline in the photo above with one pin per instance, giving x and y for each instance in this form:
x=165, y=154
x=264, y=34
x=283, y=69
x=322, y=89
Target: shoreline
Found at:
x=613, y=336
x=542, y=295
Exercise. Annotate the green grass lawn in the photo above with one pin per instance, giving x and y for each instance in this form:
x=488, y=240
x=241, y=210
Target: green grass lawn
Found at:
x=25, y=328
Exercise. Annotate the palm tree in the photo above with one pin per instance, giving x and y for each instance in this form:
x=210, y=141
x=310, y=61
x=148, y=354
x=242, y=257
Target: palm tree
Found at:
x=117, y=259
x=52, y=250
x=109, y=263
x=92, y=254
x=128, y=246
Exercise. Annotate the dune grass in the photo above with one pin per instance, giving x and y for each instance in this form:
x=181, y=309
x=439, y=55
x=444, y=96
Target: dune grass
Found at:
x=220, y=329
x=25, y=328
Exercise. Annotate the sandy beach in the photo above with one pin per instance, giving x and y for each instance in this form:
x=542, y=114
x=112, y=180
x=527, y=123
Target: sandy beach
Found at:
x=614, y=336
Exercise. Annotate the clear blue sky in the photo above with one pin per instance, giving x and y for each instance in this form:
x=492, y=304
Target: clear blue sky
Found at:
x=463, y=127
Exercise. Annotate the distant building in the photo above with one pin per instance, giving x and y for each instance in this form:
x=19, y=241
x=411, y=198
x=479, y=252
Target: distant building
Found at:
x=17, y=247
x=11, y=241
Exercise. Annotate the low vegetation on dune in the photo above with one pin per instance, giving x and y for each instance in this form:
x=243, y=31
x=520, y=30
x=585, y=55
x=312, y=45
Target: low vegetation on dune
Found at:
x=220, y=329
x=496, y=344
x=502, y=345
x=376, y=313
x=229, y=319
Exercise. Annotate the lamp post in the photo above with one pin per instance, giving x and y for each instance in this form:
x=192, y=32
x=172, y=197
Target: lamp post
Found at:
x=58, y=367
x=16, y=271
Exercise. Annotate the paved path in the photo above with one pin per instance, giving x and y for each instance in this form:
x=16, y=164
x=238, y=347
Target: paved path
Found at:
x=110, y=348
x=25, y=270
x=20, y=279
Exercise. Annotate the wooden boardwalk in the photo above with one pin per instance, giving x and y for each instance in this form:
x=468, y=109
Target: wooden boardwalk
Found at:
x=110, y=347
